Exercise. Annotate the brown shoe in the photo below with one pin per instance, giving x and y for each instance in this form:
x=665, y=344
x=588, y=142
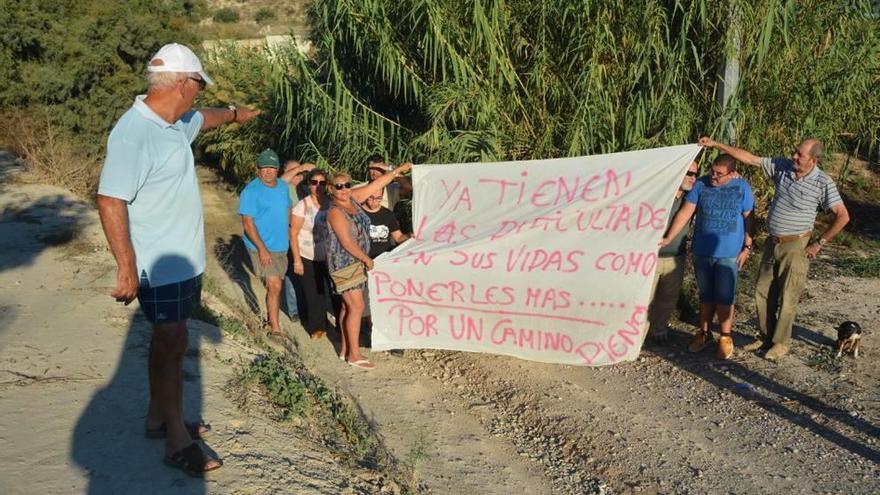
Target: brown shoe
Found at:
x=318, y=334
x=776, y=352
x=754, y=345
x=699, y=341
x=725, y=347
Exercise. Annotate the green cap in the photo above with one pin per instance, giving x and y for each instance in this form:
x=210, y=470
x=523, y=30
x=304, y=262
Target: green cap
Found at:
x=268, y=159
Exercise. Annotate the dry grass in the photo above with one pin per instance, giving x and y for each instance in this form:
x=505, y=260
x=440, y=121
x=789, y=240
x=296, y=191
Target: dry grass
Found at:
x=50, y=155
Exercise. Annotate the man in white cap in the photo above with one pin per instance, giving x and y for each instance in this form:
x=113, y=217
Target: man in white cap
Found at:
x=148, y=200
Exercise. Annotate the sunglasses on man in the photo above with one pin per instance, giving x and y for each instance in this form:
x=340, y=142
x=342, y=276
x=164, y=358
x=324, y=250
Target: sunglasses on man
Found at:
x=201, y=82
x=342, y=185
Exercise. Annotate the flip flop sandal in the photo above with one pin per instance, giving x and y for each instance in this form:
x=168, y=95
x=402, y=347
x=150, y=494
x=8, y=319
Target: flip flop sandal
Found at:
x=191, y=460
x=195, y=429
x=362, y=364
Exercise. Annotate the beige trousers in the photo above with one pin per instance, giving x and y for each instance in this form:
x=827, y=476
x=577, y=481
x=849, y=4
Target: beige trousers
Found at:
x=664, y=293
x=781, y=280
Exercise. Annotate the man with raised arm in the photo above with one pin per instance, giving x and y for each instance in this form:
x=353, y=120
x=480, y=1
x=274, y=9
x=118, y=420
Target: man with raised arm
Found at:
x=802, y=189
x=151, y=211
x=399, y=188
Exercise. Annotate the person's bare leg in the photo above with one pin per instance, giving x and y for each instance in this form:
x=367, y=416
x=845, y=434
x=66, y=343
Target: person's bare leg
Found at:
x=340, y=325
x=169, y=343
x=273, y=301
x=353, y=302
x=707, y=312
x=725, y=318
x=153, y=420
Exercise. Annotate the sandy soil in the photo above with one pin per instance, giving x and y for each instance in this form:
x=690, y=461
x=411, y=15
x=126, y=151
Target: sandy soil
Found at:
x=72, y=393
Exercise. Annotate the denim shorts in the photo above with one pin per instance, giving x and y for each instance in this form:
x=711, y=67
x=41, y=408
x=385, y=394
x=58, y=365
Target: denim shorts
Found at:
x=172, y=302
x=716, y=279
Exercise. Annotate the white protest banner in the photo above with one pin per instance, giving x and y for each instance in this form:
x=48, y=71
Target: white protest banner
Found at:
x=546, y=260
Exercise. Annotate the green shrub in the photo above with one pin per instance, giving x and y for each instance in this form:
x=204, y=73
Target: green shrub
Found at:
x=450, y=81
x=865, y=267
x=226, y=15
x=264, y=14
x=282, y=387
x=74, y=66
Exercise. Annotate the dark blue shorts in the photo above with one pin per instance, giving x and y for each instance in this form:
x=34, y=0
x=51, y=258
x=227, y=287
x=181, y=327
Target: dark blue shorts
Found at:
x=716, y=279
x=172, y=302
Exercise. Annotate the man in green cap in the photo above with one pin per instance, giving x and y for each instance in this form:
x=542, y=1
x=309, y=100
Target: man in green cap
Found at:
x=265, y=210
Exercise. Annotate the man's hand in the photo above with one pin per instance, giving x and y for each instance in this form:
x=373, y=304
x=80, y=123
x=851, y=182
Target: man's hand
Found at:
x=298, y=268
x=707, y=142
x=813, y=249
x=307, y=167
x=243, y=114
x=265, y=257
x=403, y=168
x=369, y=264
x=742, y=258
x=126, y=285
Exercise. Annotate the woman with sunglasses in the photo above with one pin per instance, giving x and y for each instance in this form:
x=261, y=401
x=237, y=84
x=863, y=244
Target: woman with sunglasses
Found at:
x=349, y=242
x=308, y=244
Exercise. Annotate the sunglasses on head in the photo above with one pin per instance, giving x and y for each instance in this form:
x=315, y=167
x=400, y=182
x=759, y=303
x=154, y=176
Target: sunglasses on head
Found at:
x=316, y=182
x=691, y=174
x=201, y=82
x=342, y=185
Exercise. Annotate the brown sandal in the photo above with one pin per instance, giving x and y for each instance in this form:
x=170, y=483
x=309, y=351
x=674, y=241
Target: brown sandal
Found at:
x=191, y=460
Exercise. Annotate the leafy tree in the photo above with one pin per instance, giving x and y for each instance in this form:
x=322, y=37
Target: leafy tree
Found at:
x=80, y=63
x=468, y=80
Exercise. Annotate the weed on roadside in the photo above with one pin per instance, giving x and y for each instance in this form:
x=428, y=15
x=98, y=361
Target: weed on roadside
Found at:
x=282, y=387
x=419, y=452
x=864, y=267
x=824, y=359
x=294, y=392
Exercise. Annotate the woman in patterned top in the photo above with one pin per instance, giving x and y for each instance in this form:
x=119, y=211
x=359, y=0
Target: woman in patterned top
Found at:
x=349, y=242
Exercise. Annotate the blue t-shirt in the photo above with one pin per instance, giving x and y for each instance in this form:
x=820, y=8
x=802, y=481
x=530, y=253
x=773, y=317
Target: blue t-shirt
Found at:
x=270, y=209
x=150, y=166
x=719, y=229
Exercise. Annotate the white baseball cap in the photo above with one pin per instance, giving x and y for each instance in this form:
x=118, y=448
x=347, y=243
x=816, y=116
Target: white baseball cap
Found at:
x=175, y=57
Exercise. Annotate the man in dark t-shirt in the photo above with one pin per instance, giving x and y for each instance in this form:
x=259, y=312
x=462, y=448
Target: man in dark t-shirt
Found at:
x=384, y=228
x=384, y=235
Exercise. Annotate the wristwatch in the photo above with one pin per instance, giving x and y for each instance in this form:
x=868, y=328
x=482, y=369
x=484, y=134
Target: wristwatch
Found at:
x=822, y=241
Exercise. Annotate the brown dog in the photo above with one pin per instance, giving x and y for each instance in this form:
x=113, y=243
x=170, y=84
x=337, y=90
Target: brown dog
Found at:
x=849, y=337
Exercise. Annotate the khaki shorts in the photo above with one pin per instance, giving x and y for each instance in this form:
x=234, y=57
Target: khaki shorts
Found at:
x=276, y=268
